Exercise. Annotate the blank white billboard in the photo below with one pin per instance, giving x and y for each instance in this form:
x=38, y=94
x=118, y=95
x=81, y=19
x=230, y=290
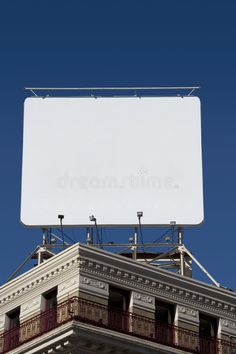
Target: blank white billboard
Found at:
x=111, y=157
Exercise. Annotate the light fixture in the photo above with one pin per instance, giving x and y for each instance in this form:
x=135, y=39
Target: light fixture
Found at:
x=61, y=217
x=92, y=218
x=139, y=214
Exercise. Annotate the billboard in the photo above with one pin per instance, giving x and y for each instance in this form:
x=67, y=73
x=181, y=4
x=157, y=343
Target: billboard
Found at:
x=111, y=157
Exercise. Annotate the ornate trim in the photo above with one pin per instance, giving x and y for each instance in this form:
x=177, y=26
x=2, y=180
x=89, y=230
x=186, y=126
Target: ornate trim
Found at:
x=229, y=324
x=187, y=311
x=143, y=301
x=157, y=288
x=144, y=298
x=30, y=304
x=94, y=283
x=55, y=273
x=68, y=284
x=126, y=272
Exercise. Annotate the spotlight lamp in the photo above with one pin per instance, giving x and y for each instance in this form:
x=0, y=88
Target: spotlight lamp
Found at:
x=92, y=218
x=139, y=214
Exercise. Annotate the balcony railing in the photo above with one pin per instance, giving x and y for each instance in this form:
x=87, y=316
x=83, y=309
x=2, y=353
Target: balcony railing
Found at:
x=123, y=322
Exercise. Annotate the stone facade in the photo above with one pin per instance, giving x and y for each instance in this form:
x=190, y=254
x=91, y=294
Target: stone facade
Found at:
x=87, y=272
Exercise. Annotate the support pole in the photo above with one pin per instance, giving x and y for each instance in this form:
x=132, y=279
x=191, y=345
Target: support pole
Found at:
x=40, y=260
x=89, y=237
x=200, y=266
x=44, y=236
x=22, y=265
x=135, y=242
x=180, y=242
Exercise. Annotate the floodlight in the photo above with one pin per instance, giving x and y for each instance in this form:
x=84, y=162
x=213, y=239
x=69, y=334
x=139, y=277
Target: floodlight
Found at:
x=61, y=217
x=99, y=239
x=139, y=214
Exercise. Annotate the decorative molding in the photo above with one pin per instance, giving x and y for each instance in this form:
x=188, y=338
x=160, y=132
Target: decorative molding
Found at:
x=158, y=288
x=94, y=283
x=68, y=286
x=23, y=288
x=93, y=286
x=229, y=324
x=101, y=268
x=29, y=305
x=227, y=327
x=188, y=311
x=144, y=298
x=142, y=301
x=187, y=315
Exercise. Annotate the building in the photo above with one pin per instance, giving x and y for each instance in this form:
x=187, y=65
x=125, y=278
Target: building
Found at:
x=86, y=300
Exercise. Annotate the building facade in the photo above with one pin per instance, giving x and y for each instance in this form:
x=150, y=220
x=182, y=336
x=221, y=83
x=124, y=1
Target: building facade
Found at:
x=86, y=300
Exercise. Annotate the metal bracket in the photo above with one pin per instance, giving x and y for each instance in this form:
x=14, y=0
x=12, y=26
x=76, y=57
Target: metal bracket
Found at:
x=131, y=88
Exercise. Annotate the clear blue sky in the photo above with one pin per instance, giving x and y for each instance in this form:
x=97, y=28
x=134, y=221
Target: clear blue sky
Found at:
x=120, y=43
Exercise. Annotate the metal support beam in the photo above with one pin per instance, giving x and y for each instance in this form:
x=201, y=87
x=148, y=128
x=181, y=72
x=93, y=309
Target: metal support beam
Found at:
x=22, y=264
x=135, y=243
x=32, y=89
x=184, y=249
x=180, y=242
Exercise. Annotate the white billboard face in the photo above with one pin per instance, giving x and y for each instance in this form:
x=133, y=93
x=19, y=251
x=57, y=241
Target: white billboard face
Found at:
x=112, y=157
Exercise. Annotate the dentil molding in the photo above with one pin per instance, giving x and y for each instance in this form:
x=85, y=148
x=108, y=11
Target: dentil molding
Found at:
x=157, y=288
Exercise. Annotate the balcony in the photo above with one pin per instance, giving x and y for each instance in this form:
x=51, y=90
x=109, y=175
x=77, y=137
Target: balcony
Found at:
x=123, y=322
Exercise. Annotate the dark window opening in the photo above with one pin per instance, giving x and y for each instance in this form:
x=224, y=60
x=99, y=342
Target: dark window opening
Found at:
x=118, y=305
x=12, y=337
x=14, y=318
x=164, y=313
x=50, y=299
x=207, y=332
x=49, y=316
x=207, y=326
x=164, y=318
x=118, y=299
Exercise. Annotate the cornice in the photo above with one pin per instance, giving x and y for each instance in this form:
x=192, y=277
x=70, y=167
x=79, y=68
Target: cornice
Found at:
x=113, y=268
x=156, y=287
x=50, y=272
x=187, y=283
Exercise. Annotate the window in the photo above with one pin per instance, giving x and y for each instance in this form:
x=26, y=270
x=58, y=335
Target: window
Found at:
x=50, y=299
x=49, y=316
x=207, y=330
x=207, y=326
x=14, y=319
x=164, y=317
x=164, y=313
x=12, y=337
x=118, y=305
x=118, y=299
